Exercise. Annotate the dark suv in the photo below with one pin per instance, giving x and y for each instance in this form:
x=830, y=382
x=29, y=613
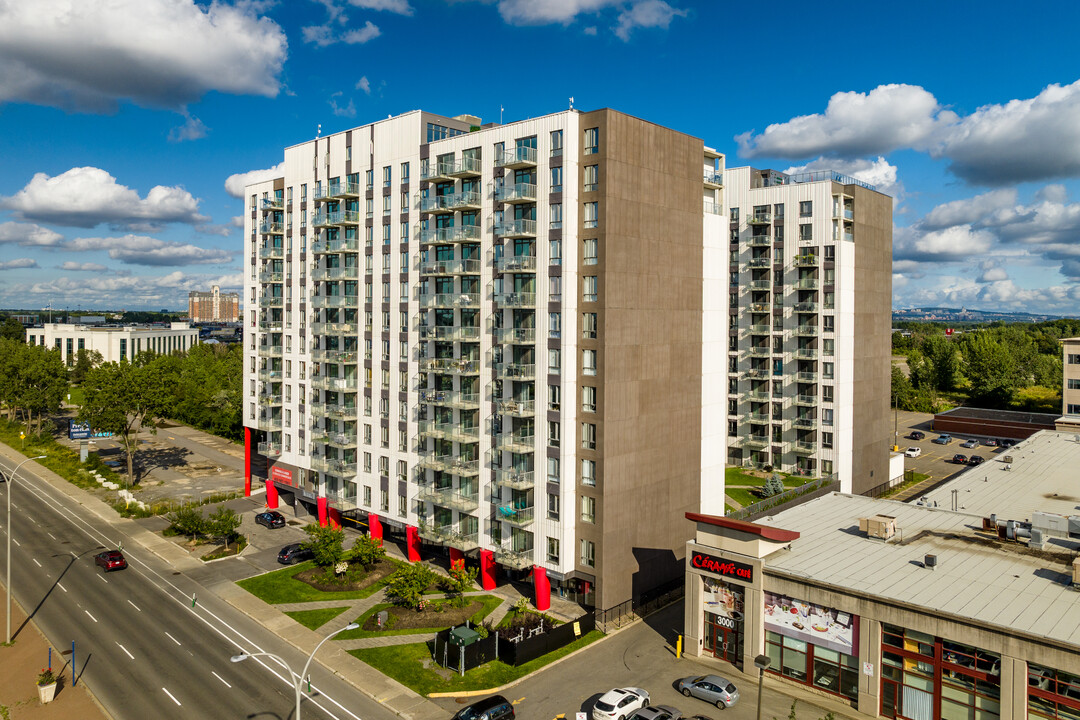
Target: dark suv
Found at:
x=917, y=435
x=272, y=519
x=495, y=707
x=294, y=553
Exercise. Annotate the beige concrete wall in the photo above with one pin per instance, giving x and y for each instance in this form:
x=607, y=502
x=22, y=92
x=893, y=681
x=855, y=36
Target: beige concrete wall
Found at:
x=1071, y=346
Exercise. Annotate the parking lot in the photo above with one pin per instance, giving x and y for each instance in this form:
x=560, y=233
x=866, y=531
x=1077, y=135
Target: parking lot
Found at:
x=936, y=460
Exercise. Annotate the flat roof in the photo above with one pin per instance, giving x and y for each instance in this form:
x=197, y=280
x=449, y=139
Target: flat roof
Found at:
x=1010, y=415
x=977, y=580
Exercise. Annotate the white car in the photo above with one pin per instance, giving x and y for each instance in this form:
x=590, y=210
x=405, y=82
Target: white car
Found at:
x=913, y=452
x=620, y=703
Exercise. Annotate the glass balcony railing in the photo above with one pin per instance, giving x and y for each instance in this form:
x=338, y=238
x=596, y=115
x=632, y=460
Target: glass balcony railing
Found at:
x=451, y=398
x=269, y=277
x=712, y=208
x=335, y=301
x=509, y=556
x=805, y=307
x=756, y=396
x=804, y=422
x=759, y=329
x=465, y=501
x=333, y=383
x=449, y=333
x=448, y=536
x=760, y=218
x=515, y=263
x=436, y=171
x=761, y=262
x=759, y=351
x=517, y=157
x=337, y=217
x=467, y=166
x=271, y=325
x=449, y=300
x=450, y=431
x=517, y=442
x=803, y=448
x=515, y=336
x=755, y=441
x=321, y=247
x=806, y=400
x=270, y=375
x=519, y=516
x=807, y=377
x=272, y=204
x=456, y=234
x=270, y=301
x=270, y=449
x=270, y=350
x=515, y=371
x=269, y=398
x=458, y=366
x=272, y=252
x=516, y=193
x=515, y=300
x=805, y=354
x=806, y=330
x=449, y=463
x=714, y=179
x=268, y=227
x=334, y=328
x=465, y=200
x=760, y=241
x=516, y=228
x=345, y=189
x=515, y=479
x=336, y=356
x=759, y=285
x=806, y=284
x=759, y=307
x=450, y=267
x=337, y=273
x=516, y=408
x=806, y=261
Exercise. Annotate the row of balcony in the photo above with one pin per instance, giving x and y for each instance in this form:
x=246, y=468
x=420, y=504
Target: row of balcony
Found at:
x=269, y=227
x=455, y=234
x=336, y=356
x=449, y=463
x=335, y=273
x=458, y=366
x=325, y=218
x=760, y=442
x=453, y=431
x=339, y=245
x=450, y=398
x=451, y=202
x=450, y=267
x=466, y=167
x=332, y=191
x=449, y=333
x=765, y=373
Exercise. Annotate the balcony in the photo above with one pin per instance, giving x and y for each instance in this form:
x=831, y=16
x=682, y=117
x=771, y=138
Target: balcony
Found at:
x=449, y=333
x=518, y=157
x=270, y=350
x=849, y=237
x=337, y=273
x=437, y=204
x=516, y=442
x=456, y=234
x=760, y=218
x=343, y=441
x=449, y=463
x=759, y=330
x=335, y=328
x=515, y=263
x=270, y=449
x=760, y=262
x=806, y=330
x=757, y=373
x=515, y=336
x=270, y=375
x=805, y=354
x=270, y=301
x=266, y=398
x=450, y=267
x=515, y=228
x=437, y=171
x=467, y=167
x=712, y=208
x=450, y=498
x=336, y=356
x=760, y=241
x=451, y=398
x=514, y=479
x=335, y=301
x=755, y=441
x=449, y=300
x=759, y=351
x=271, y=277
x=806, y=400
x=268, y=227
x=448, y=536
x=456, y=366
x=341, y=410
x=334, y=466
x=334, y=383
x=343, y=190
x=270, y=325
x=518, y=559
x=803, y=448
x=806, y=307
x=756, y=396
x=337, y=217
x=514, y=193
x=759, y=307
x=321, y=247
x=805, y=423
x=807, y=377
x=806, y=284
x=846, y=213
x=272, y=252
x=806, y=261
x=516, y=408
x=450, y=431
x=760, y=285
x=757, y=418
x=272, y=204
x=515, y=371
x=517, y=516
x=515, y=300
x=714, y=180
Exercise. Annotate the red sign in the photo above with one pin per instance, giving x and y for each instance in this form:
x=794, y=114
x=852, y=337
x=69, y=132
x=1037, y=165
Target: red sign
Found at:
x=948, y=331
x=723, y=568
x=281, y=475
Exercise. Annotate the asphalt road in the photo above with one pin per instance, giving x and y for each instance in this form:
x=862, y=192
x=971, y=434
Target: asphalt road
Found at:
x=140, y=646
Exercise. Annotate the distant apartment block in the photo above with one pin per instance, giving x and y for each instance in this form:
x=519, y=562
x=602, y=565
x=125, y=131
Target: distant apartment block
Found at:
x=214, y=306
x=115, y=343
x=1070, y=390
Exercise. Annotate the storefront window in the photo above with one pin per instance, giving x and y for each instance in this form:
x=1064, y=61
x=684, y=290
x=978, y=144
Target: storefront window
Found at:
x=832, y=671
x=1053, y=694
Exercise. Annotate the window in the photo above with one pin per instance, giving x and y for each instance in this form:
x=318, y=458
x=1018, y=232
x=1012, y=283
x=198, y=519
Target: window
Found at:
x=588, y=362
x=591, y=214
x=403, y=506
x=826, y=440
x=827, y=393
x=553, y=543
x=588, y=326
x=554, y=397
x=369, y=178
x=384, y=500
x=806, y=232
x=588, y=436
x=592, y=141
x=827, y=347
x=806, y=208
x=588, y=509
x=1074, y=384
x=555, y=288
x=828, y=323
x=1074, y=359
x=827, y=370
x=830, y=252
x=733, y=428
x=555, y=247
x=556, y=143
x=386, y=176
x=553, y=469
x=827, y=416
x=588, y=398
x=588, y=473
x=367, y=496
x=555, y=325
x=552, y=507
x=556, y=179
x=303, y=192
x=592, y=177
x=588, y=553
x=554, y=360
x=404, y=172
x=589, y=288
x=556, y=215
x=554, y=433
x=590, y=251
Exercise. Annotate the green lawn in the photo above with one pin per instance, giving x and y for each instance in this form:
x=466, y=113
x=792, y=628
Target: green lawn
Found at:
x=77, y=396
x=742, y=496
x=280, y=587
x=315, y=619
x=916, y=478
x=490, y=602
x=404, y=663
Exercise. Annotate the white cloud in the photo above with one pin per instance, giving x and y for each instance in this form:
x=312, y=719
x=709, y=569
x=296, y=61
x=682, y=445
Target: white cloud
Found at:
x=364, y=84
x=958, y=241
x=88, y=56
x=88, y=196
x=192, y=129
x=879, y=173
x=401, y=7
x=346, y=111
x=118, y=290
x=645, y=14
x=235, y=184
x=591, y=30
x=83, y=267
x=18, y=264
x=237, y=221
x=532, y=12
x=28, y=234
x=973, y=210
x=324, y=35
x=143, y=250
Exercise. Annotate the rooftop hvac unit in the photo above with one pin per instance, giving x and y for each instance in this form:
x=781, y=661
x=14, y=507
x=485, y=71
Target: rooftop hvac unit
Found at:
x=1051, y=524
x=930, y=561
x=880, y=527
x=1076, y=572
x=1037, y=540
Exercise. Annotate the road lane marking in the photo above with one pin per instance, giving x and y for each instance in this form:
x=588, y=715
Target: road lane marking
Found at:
x=173, y=639
x=220, y=678
x=170, y=696
x=16, y=542
x=134, y=605
x=61, y=587
x=73, y=554
x=125, y=650
x=36, y=562
x=91, y=616
x=50, y=534
x=102, y=578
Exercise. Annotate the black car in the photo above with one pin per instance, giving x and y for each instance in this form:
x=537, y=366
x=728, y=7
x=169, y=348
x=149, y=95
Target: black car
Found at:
x=959, y=459
x=272, y=520
x=294, y=553
x=916, y=435
x=976, y=460
x=495, y=707
x=1007, y=443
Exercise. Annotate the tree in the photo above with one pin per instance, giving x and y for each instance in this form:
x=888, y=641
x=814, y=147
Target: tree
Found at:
x=189, y=520
x=459, y=582
x=326, y=545
x=12, y=329
x=944, y=357
x=85, y=361
x=774, y=485
x=223, y=524
x=122, y=399
x=407, y=585
x=903, y=393
x=367, y=551
x=993, y=371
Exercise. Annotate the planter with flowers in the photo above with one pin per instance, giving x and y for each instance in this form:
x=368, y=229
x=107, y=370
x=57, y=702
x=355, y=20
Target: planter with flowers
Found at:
x=46, y=685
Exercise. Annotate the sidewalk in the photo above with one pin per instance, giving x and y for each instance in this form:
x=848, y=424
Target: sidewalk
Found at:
x=19, y=665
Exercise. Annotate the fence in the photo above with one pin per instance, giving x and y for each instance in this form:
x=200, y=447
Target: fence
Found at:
x=804, y=493
x=627, y=612
x=523, y=648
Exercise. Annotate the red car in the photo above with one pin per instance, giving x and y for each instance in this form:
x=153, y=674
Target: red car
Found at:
x=111, y=560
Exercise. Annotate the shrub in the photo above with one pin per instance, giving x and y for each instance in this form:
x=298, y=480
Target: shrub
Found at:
x=188, y=520
x=407, y=585
x=327, y=544
x=367, y=551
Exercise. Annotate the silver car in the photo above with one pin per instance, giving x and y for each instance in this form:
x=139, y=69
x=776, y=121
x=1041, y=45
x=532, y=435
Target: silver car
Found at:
x=657, y=712
x=710, y=688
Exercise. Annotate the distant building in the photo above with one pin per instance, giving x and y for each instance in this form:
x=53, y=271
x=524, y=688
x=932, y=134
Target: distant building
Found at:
x=213, y=306
x=1070, y=385
x=115, y=343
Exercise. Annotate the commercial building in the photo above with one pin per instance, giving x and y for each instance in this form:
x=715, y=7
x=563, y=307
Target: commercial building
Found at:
x=963, y=605
x=213, y=306
x=1070, y=385
x=508, y=341
x=116, y=342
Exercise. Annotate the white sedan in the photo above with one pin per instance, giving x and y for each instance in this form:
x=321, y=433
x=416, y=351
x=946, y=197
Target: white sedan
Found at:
x=619, y=703
x=913, y=452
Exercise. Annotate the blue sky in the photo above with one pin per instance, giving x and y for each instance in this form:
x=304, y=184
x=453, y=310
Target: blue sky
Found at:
x=126, y=126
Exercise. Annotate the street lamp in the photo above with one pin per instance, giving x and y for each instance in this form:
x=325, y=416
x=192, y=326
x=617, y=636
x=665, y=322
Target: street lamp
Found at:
x=298, y=680
x=10, y=484
x=761, y=662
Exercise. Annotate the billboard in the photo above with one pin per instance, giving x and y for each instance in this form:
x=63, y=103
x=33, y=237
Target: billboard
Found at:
x=79, y=430
x=281, y=474
x=816, y=624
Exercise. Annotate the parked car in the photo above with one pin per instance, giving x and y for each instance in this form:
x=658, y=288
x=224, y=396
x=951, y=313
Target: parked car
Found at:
x=1007, y=443
x=272, y=519
x=495, y=707
x=942, y=440
x=657, y=712
x=976, y=460
x=972, y=443
x=990, y=442
x=620, y=703
x=916, y=435
x=294, y=553
x=913, y=452
x=110, y=560
x=959, y=459
x=710, y=688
